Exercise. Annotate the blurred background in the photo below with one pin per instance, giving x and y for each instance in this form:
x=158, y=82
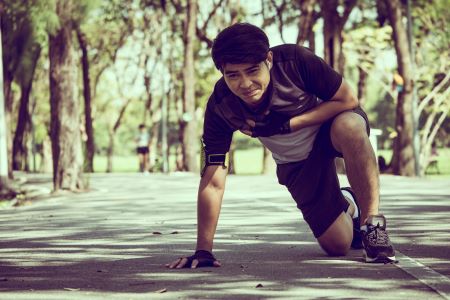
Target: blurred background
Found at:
x=79, y=77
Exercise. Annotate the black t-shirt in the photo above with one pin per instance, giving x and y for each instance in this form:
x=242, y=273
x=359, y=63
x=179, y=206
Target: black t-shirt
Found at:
x=298, y=79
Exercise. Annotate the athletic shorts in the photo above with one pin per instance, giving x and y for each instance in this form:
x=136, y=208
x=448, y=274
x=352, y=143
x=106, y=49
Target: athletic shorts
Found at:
x=313, y=182
x=142, y=150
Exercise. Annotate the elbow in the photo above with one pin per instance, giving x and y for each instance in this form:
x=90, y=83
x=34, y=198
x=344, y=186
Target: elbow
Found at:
x=353, y=102
x=350, y=101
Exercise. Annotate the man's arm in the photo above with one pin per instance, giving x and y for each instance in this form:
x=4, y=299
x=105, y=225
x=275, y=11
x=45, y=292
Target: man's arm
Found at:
x=210, y=194
x=209, y=202
x=344, y=99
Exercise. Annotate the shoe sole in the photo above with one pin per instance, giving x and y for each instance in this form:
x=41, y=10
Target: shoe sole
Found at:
x=379, y=259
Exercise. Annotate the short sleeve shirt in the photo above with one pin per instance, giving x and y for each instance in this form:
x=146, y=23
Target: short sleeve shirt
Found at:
x=299, y=81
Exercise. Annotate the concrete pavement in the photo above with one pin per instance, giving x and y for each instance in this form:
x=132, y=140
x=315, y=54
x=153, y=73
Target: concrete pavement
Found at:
x=112, y=243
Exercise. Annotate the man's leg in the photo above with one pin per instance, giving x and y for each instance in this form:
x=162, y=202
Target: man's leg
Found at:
x=336, y=240
x=145, y=159
x=141, y=162
x=349, y=137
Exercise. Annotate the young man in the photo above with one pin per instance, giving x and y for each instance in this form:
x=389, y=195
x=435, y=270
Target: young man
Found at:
x=306, y=114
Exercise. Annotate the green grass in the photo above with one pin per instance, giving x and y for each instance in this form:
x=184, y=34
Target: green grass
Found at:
x=247, y=162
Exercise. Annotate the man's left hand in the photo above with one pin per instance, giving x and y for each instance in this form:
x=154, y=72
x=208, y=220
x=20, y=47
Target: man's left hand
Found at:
x=272, y=124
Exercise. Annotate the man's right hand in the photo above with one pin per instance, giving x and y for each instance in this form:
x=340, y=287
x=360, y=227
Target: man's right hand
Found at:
x=201, y=258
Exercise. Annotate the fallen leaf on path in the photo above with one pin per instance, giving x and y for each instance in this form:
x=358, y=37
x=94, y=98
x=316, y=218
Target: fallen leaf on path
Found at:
x=161, y=291
x=71, y=289
x=156, y=232
x=174, y=232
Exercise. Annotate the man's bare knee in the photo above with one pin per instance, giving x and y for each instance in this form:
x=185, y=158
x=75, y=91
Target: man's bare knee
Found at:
x=348, y=128
x=335, y=248
x=336, y=240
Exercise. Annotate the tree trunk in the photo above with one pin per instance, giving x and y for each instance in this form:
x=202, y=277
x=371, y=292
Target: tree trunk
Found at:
x=110, y=152
x=24, y=118
x=5, y=189
x=189, y=137
x=46, y=165
x=332, y=31
x=306, y=21
x=90, y=143
x=362, y=86
x=64, y=107
x=269, y=165
x=403, y=161
x=231, y=160
x=8, y=104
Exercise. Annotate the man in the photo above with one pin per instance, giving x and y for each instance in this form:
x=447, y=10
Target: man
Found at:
x=306, y=114
x=142, y=148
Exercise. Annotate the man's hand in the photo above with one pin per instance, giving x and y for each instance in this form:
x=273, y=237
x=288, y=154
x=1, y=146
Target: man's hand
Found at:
x=273, y=123
x=201, y=258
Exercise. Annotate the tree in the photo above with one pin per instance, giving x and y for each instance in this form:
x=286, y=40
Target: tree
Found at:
x=403, y=161
x=90, y=143
x=431, y=40
x=188, y=125
x=64, y=125
x=333, y=25
x=26, y=74
x=307, y=19
x=5, y=188
x=16, y=28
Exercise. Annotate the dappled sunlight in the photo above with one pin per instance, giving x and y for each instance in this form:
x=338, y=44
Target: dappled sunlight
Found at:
x=119, y=239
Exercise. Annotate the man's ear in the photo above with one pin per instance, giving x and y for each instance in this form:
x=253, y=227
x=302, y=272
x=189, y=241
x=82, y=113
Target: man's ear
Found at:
x=269, y=59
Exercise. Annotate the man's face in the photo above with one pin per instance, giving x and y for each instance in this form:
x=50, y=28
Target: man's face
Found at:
x=248, y=81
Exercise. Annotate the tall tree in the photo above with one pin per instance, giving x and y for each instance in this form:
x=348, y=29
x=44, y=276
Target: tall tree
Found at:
x=306, y=21
x=64, y=126
x=16, y=29
x=26, y=74
x=189, y=127
x=403, y=160
x=5, y=188
x=88, y=123
x=333, y=25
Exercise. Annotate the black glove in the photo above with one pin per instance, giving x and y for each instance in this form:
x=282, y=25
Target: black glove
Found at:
x=272, y=124
x=205, y=259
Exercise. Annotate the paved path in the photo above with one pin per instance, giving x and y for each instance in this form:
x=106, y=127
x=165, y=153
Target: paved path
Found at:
x=112, y=243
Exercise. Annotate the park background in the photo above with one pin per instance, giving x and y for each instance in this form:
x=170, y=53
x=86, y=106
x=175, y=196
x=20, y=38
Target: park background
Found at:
x=80, y=76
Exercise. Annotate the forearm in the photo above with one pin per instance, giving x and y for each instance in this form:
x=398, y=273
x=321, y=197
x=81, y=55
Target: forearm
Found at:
x=319, y=114
x=343, y=100
x=208, y=206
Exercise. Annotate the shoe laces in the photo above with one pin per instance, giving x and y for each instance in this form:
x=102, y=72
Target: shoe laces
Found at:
x=377, y=236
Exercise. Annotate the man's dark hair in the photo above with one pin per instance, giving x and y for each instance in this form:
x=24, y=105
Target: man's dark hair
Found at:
x=241, y=43
x=141, y=126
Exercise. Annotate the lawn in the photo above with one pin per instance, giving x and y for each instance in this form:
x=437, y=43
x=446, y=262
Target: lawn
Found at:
x=249, y=162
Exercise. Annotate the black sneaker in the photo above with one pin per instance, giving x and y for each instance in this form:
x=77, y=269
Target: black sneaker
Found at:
x=377, y=246
x=356, y=242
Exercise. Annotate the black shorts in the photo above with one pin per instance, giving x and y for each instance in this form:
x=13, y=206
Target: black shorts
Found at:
x=142, y=150
x=313, y=182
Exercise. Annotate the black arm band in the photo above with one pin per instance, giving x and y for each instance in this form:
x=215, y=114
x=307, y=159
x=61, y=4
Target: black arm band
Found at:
x=212, y=159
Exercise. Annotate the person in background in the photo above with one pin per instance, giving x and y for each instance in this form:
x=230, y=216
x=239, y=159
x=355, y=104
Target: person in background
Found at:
x=143, y=148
